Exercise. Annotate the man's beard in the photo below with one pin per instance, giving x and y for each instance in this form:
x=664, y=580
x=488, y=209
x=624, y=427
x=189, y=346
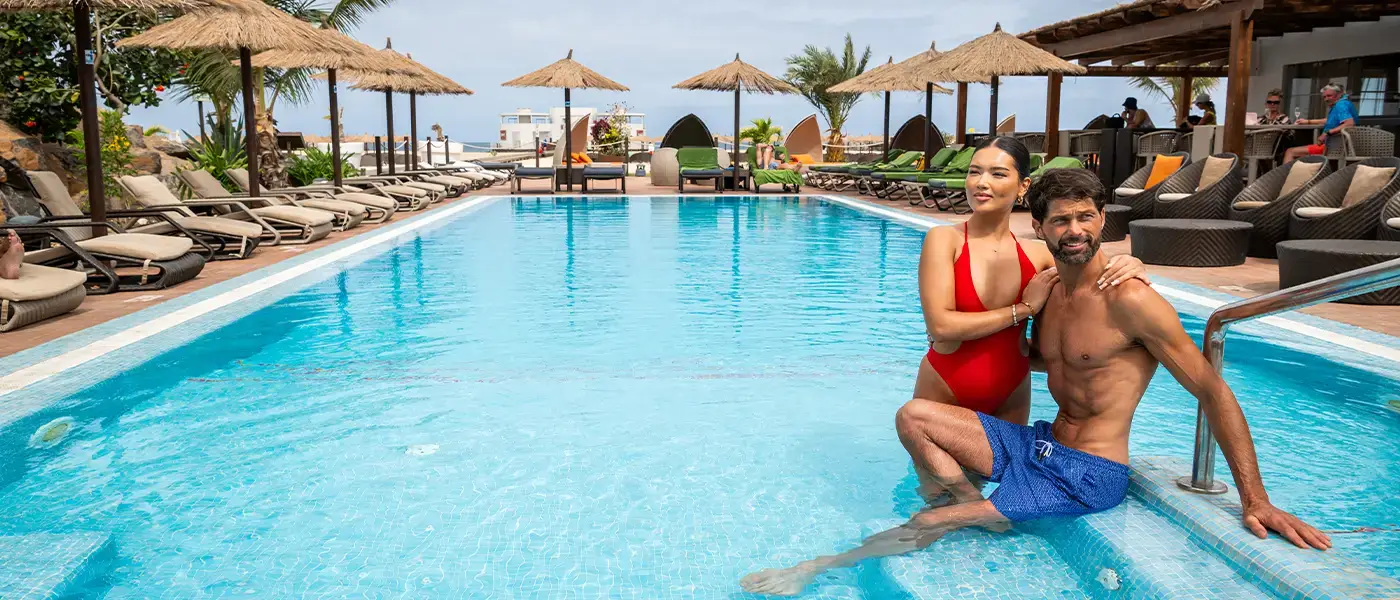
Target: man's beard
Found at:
x=1079, y=257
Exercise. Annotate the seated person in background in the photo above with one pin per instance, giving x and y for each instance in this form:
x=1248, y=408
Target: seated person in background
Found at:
x=1273, y=109
x=1341, y=116
x=1134, y=117
x=1190, y=123
x=1207, y=107
x=767, y=153
x=11, y=255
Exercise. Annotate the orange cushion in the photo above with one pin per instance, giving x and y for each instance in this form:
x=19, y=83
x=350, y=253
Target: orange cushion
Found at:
x=805, y=159
x=1162, y=168
x=581, y=157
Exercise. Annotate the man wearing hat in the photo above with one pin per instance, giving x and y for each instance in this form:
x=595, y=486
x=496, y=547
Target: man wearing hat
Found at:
x=1134, y=117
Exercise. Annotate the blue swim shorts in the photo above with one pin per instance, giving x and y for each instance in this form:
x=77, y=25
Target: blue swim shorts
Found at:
x=1041, y=478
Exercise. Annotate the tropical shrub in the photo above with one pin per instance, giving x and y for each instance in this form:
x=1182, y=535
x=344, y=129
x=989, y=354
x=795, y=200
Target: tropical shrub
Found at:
x=314, y=163
x=762, y=130
x=222, y=150
x=116, y=150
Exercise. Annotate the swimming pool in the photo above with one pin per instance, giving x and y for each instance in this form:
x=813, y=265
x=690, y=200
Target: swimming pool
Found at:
x=642, y=398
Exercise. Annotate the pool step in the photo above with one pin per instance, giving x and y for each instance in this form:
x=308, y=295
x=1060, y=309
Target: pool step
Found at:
x=1143, y=555
x=975, y=565
x=43, y=566
x=1214, y=522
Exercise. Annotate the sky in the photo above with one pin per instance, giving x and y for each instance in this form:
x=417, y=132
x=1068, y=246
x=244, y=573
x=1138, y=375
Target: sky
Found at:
x=650, y=46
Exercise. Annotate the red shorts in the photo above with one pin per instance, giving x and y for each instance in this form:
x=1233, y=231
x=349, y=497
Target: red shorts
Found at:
x=1317, y=149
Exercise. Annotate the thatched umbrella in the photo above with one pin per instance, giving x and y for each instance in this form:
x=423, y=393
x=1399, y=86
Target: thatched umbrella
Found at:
x=245, y=26
x=909, y=75
x=999, y=54
x=365, y=60
x=568, y=74
x=737, y=76
x=87, y=85
x=411, y=77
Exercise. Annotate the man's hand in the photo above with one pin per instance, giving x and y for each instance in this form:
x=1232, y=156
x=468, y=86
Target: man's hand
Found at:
x=1265, y=517
x=1322, y=139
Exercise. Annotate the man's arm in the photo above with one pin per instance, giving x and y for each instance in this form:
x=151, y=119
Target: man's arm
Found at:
x=1146, y=316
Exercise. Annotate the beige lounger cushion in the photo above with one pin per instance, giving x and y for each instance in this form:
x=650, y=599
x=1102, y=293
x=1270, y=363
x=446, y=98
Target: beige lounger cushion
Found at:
x=1313, y=212
x=1367, y=180
x=1299, y=174
x=1172, y=197
x=1216, y=169
x=295, y=214
x=150, y=191
x=139, y=245
x=1393, y=222
x=214, y=225
x=1248, y=204
x=447, y=180
x=423, y=185
x=1126, y=192
x=37, y=282
x=379, y=202
x=403, y=190
x=338, y=206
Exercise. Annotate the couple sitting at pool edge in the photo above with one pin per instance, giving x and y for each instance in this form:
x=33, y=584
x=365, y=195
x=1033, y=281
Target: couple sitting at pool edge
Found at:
x=1099, y=333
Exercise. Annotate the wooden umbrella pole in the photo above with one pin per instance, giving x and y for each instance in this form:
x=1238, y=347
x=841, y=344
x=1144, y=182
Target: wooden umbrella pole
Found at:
x=734, y=163
x=961, y=134
x=992, y=127
x=413, y=127
x=203, y=136
x=885, y=149
x=928, y=124
x=389, y=123
x=336, y=170
x=87, y=99
x=250, y=121
x=568, y=143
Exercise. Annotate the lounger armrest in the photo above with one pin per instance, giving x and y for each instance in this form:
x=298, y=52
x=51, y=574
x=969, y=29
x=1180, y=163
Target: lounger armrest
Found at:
x=71, y=221
x=67, y=242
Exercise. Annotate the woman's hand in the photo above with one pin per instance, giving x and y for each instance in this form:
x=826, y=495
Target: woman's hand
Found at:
x=1122, y=268
x=1037, y=292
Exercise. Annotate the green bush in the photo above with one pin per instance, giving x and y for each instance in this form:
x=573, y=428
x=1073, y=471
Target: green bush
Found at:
x=116, y=150
x=221, y=151
x=306, y=167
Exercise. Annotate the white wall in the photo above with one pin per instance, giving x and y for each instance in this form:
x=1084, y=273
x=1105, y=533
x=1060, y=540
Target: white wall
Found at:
x=1271, y=55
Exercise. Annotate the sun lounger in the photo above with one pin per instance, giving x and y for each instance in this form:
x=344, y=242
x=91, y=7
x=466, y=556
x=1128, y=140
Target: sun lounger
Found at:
x=524, y=173
x=39, y=293
x=380, y=207
x=598, y=173
x=697, y=164
x=791, y=181
x=206, y=187
x=280, y=224
x=118, y=261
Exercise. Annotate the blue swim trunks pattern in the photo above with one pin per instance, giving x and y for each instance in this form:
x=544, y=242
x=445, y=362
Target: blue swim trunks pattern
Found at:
x=1041, y=478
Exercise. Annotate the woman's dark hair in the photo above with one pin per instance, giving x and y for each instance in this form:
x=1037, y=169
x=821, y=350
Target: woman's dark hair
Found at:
x=1012, y=146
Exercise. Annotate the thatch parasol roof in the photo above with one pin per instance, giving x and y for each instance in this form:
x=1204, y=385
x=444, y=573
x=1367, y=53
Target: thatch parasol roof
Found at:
x=56, y=5
x=737, y=75
x=235, y=24
x=408, y=76
x=874, y=80
x=1001, y=54
x=566, y=73
x=909, y=75
x=365, y=59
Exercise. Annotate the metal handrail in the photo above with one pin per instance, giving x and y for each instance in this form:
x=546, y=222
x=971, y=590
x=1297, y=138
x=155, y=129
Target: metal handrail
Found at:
x=1337, y=287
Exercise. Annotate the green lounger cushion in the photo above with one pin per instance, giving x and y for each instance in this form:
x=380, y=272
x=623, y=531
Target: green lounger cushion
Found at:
x=776, y=176
x=697, y=159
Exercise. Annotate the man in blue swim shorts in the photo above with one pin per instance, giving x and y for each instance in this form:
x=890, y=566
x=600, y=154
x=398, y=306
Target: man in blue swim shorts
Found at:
x=1100, y=349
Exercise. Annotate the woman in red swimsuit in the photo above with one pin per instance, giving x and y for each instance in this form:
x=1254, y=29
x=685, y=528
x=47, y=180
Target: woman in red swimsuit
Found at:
x=978, y=285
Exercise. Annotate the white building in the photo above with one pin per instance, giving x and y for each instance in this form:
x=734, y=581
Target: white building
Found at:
x=519, y=127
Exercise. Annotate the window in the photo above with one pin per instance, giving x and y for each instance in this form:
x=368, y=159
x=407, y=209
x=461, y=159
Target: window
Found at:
x=510, y=119
x=1372, y=83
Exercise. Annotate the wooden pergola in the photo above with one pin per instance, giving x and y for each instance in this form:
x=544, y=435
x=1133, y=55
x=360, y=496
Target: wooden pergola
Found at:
x=1188, y=38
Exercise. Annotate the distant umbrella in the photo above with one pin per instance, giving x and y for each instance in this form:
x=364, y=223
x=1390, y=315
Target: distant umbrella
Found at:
x=412, y=77
x=246, y=26
x=568, y=74
x=87, y=86
x=1000, y=54
x=737, y=76
x=909, y=75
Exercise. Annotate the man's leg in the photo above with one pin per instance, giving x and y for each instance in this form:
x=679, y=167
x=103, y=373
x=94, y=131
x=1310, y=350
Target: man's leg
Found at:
x=921, y=531
x=943, y=440
x=1295, y=153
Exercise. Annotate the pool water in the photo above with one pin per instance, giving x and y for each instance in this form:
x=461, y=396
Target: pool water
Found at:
x=632, y=398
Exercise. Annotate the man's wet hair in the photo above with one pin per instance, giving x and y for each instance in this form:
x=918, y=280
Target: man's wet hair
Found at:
x=1065, y=184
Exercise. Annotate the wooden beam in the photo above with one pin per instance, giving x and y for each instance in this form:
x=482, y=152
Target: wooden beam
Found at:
x=1178, y=57
x=1158, y=71
x=1237, y=94
x=1215, y=17
x=1052, y=115
x=1128, y=60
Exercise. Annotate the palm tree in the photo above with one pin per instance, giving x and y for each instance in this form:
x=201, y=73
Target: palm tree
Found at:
x=815, y=70
x=1169, y=88
x=760, y=132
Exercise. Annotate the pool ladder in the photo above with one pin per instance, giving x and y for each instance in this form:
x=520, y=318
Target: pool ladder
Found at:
x=1337, y=287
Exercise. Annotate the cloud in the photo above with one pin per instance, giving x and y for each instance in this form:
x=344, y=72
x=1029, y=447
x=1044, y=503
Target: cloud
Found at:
x=652, y=46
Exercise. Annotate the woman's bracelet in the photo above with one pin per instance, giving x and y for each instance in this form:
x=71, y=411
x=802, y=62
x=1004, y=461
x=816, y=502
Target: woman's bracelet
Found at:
x=1013, y=314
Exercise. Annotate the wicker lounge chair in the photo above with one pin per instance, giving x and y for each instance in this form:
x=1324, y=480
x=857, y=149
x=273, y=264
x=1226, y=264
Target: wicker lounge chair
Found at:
x=1390, y=220
x=1267, y=205
x=378, y=207
x=1361, y=143
x=1134, y=193
x=1152, y=144
x=699, y=164
x=1319, y=213
x=115, y=262
x=61, y=208
x=39, y=293
x=206, y=187
x=1261, y=145
x=1202, y=190
x=1035, y=142
x=279, y=224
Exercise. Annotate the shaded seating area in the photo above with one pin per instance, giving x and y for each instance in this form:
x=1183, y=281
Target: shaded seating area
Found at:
x=1303, y=261
x=687, y=132
x=1139, y=190
x=1268, y=202
x=1202, y=190
x=1348, y=203
x=907, y=139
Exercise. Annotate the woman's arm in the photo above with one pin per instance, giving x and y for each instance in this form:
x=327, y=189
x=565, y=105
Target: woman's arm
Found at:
x=936, y=295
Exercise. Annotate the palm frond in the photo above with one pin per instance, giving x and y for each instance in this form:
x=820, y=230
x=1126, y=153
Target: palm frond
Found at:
x=349, y=14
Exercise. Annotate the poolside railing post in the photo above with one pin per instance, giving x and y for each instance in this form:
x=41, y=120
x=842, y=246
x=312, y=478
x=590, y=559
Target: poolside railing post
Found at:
x=1202, y=478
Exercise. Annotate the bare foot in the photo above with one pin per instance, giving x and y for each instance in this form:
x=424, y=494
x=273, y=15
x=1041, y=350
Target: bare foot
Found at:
x=779, y=582
x=12, y=257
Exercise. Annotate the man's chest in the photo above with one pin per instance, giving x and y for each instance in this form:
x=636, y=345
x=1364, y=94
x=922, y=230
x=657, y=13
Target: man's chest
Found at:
x=1079, y=332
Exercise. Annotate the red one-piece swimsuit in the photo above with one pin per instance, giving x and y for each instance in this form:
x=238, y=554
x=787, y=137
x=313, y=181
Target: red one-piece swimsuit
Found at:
x=982, y=373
